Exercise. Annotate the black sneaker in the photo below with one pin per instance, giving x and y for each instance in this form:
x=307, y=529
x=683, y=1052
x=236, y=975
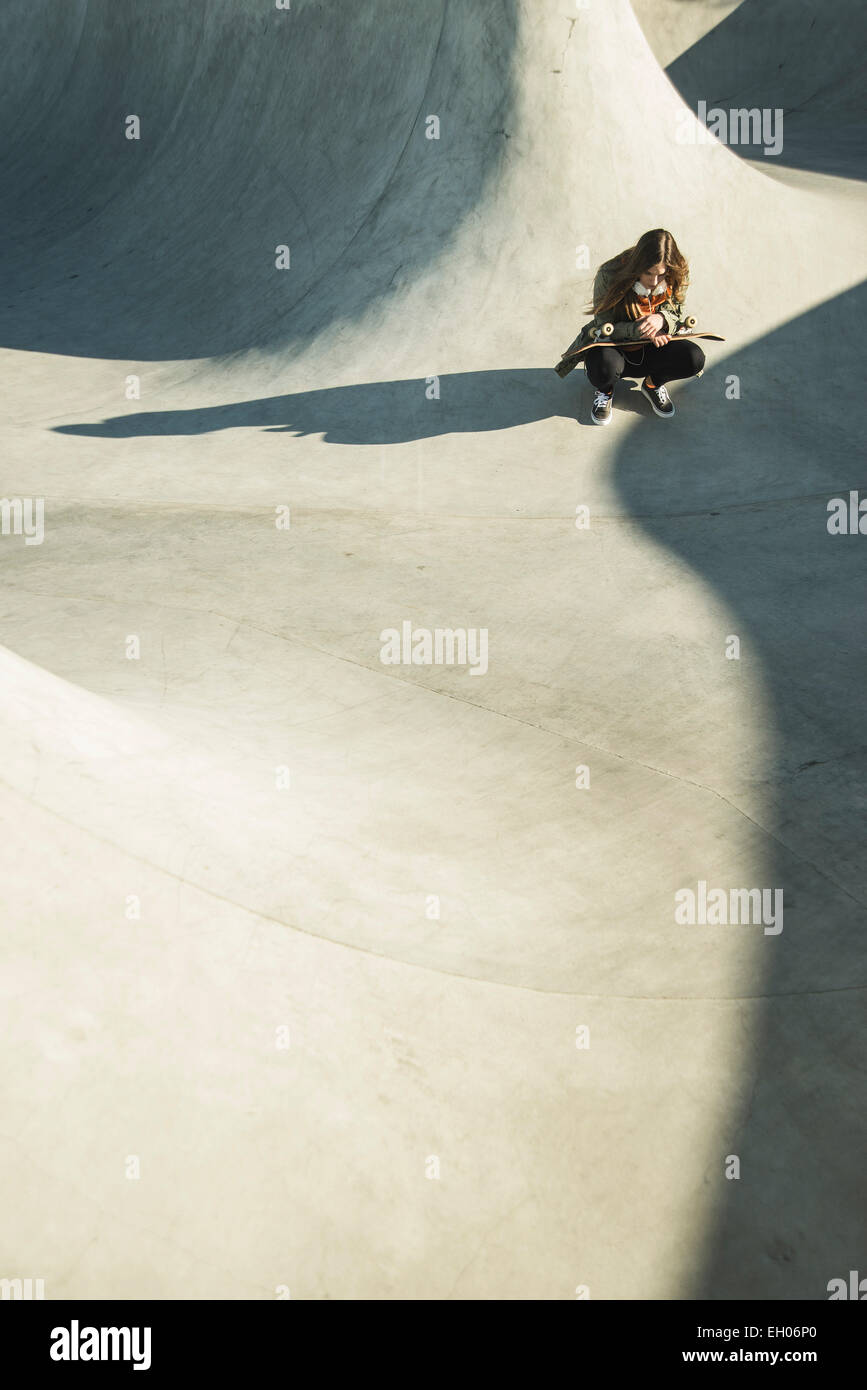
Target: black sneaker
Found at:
x=659, y=398
x=600, y=411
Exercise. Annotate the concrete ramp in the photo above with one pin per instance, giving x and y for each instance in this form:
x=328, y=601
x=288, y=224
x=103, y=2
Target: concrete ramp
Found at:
x=164, y=246
x=363, y=977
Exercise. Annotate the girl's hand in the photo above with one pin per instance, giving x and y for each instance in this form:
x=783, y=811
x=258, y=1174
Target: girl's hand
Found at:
x=661, y=339
x=651, y=325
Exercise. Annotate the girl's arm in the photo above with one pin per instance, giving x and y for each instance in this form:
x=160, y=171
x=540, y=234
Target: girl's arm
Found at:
x=673, y=314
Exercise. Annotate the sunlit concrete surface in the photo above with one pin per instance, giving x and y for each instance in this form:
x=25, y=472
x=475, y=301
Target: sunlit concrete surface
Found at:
x=302, y=948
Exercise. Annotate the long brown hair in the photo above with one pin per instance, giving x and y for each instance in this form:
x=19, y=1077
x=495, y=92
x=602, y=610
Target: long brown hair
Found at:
x=655, y=247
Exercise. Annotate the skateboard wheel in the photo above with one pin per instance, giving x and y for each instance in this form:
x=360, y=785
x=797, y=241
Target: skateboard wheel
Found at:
x=691, y=321
x=606, y=330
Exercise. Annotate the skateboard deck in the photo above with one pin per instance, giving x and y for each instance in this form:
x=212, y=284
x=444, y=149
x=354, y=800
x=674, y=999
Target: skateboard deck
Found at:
x=571, y=359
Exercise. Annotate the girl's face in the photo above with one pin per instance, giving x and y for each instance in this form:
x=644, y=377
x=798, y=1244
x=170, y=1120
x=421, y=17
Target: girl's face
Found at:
x=653, y=277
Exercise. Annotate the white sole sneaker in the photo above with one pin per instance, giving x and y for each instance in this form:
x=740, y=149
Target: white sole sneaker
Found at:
x=663, y=414
x=605, y=420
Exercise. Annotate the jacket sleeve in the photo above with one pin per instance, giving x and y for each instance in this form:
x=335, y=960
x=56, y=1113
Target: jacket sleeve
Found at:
x=674, y=315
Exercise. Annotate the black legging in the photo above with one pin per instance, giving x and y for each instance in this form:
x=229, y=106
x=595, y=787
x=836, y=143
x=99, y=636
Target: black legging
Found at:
x=673, y=362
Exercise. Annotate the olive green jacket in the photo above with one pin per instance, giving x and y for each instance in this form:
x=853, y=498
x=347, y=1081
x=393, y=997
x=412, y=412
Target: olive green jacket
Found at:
x=625, y=329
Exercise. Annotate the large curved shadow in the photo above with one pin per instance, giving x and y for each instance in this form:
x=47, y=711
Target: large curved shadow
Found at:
x=259, y=128
x=800, y=56
x=739, y=490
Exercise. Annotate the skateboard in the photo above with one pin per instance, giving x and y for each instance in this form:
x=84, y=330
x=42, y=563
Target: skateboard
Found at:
x=603, y=338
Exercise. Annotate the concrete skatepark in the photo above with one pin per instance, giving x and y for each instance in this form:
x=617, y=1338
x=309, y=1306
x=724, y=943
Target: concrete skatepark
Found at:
x=300, y=946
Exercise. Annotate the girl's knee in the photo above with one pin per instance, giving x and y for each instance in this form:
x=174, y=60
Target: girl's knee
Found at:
x=694, y=357
x=604, y=365
x=609, y=360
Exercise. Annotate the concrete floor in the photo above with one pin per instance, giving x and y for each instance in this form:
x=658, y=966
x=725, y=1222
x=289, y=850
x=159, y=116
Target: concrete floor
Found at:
x=223, y=859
